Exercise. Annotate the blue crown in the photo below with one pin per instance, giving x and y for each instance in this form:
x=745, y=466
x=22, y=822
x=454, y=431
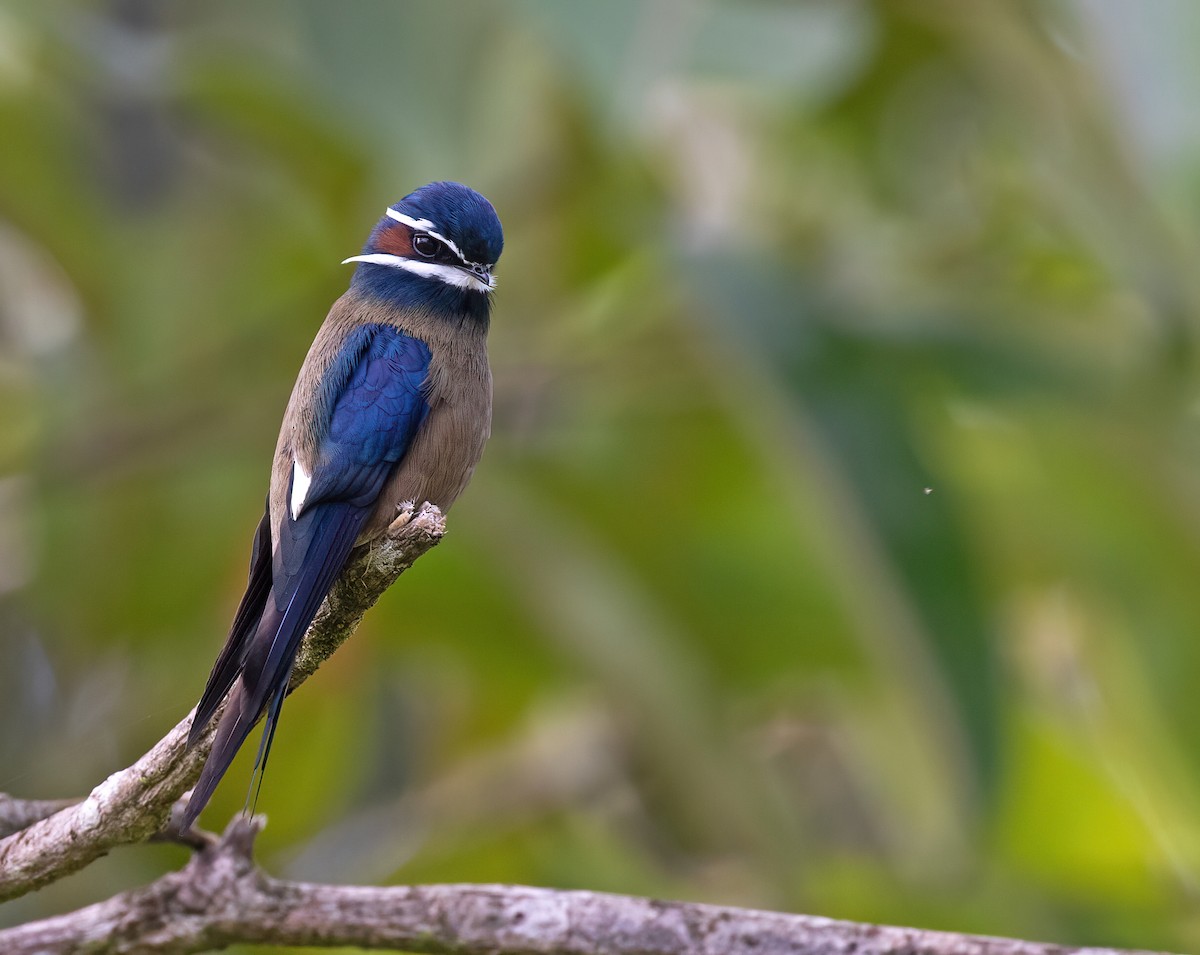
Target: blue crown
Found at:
x=460, y=214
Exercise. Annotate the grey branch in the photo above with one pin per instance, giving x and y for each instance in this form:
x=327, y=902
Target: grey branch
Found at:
x=16, y=814
x=221, y=897
x=135, y=803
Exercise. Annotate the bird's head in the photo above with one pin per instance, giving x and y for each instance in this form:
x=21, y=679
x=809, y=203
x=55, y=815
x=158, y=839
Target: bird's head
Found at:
x=444, y=234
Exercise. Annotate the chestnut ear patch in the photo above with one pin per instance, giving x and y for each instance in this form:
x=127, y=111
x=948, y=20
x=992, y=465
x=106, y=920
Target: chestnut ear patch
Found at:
x=396, y=239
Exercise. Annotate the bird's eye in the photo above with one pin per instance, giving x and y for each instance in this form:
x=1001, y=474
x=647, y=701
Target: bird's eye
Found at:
x=425, y=245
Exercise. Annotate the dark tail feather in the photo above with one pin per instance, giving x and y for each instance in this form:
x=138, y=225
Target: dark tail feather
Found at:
x=235, y=724
x=267, y=662
x=245, y=623
x=264, y=748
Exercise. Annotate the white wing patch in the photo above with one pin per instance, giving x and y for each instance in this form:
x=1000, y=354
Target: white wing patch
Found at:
x=301, y=479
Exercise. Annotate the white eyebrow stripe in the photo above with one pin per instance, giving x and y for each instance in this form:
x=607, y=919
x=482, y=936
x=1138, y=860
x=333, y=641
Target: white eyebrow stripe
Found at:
x=424, y=225
x=450, y=274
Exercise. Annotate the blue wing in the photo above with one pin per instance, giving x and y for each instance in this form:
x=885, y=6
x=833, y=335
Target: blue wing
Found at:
x=369, y=408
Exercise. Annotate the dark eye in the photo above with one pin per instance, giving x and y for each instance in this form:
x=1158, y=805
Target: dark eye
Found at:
x=425, y=245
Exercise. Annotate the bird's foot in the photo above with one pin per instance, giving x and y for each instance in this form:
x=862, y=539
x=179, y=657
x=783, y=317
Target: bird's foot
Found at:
x=406, y=511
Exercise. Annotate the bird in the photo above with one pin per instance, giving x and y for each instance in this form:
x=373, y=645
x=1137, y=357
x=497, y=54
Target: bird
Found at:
x=391, y=406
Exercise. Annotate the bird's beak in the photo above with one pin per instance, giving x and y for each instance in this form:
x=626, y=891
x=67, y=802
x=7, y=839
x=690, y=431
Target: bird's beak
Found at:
x=481, y=272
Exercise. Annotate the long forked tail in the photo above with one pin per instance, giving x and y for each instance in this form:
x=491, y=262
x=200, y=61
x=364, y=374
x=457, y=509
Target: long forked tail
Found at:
x=245, y=624
x=327, y=535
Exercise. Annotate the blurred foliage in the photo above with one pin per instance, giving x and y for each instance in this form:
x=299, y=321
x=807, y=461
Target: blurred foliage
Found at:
x=836, y=548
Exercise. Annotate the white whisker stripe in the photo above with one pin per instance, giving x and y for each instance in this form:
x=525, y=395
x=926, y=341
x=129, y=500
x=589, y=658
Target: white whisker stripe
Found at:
x=424, y=225
x=450, y=274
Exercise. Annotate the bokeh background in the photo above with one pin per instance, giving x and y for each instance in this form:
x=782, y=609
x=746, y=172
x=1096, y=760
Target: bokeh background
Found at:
x=837, y=549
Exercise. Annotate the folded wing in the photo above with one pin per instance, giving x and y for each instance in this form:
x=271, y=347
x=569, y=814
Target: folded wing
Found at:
x=370, y=405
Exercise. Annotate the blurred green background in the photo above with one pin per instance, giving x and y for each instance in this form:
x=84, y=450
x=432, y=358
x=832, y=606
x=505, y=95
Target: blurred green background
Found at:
x=837, y=546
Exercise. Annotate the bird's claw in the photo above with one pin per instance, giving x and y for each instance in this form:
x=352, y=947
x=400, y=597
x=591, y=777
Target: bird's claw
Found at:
x=406, y=511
